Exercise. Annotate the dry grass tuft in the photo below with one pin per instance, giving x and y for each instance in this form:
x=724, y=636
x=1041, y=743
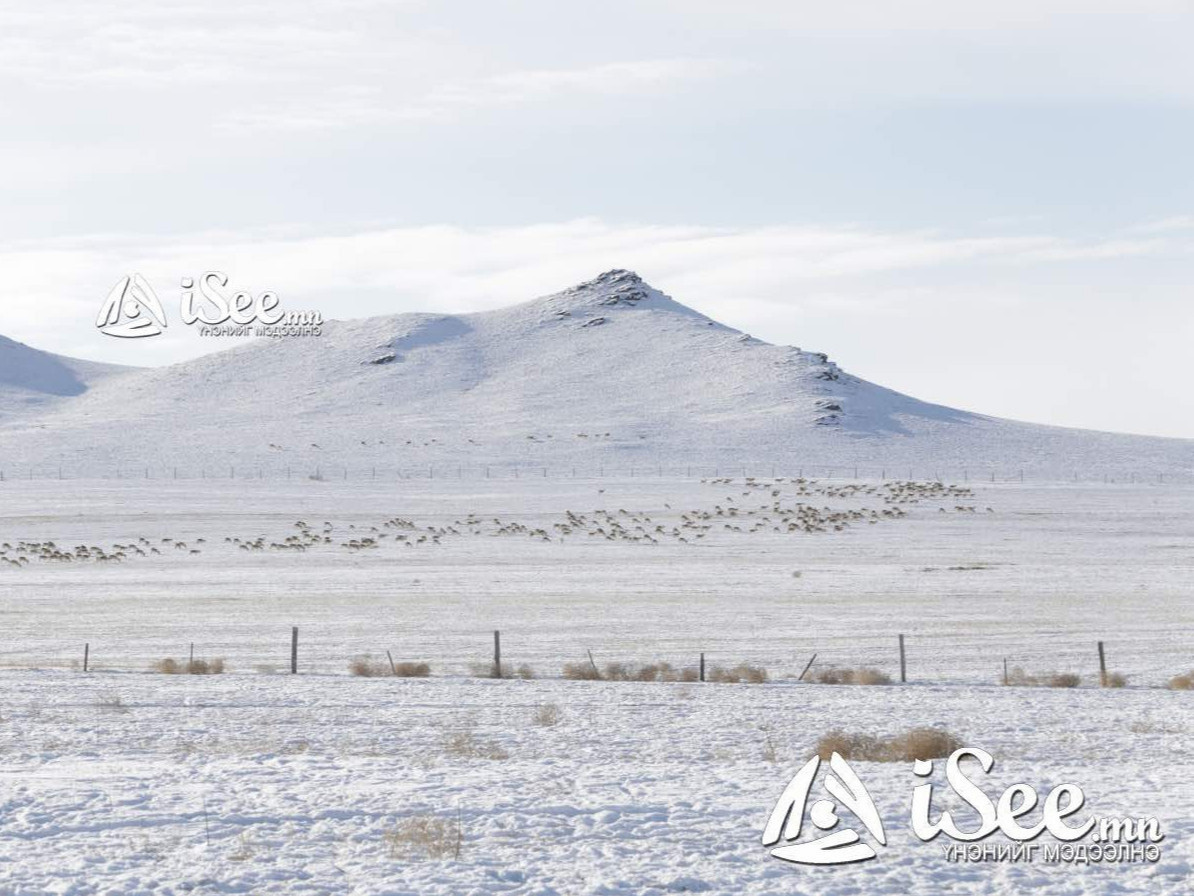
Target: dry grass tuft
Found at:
x=1017, y=677
x=466, y=745
x=546, y=715
x=364, y=667
x=425, y=837
x=581, y=672
x=169, y=666
x=411, y=670
x=743, y=672
x=659, y=671
x=1115, y=680
x=490, y=670
x=864, y=675
x=245, y=849
x=367, y=667
x=111, y=703
x=1182, y=682
x=916, y=743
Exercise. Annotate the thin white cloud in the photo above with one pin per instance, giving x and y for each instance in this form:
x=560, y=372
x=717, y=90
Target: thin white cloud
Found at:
x=353, y=105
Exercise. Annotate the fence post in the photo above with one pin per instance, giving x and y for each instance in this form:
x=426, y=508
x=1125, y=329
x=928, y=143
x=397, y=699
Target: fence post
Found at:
x=1102, y=666
x=497, y=654
x=702, y=667
x=294, y=650
x=86, y=655
x=903, y=662
x=1005, y=671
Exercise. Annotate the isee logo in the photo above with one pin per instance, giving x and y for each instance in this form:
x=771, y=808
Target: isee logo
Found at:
x=1106, y=838
x=839, y=848
x=132, y=310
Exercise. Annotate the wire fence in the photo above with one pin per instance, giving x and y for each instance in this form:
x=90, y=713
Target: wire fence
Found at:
x=518, y=471
x=1152, y=658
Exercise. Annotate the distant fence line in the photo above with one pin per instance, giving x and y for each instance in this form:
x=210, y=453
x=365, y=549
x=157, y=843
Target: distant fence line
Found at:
x=511, y=471
x=889, y=660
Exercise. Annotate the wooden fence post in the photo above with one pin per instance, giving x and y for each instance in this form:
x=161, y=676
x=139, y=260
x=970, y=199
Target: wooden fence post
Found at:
x=294, y=650
x=702, y=667
x=86, y=655
x=903, y=662
x=807, y=666
x=1005, y=671
x=497, y=654
x=1102, y=666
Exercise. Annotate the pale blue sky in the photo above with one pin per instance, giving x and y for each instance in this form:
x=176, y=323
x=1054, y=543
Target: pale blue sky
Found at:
x=987, y=205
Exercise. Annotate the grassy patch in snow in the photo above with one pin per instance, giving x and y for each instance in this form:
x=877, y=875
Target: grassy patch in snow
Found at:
x=916, y=743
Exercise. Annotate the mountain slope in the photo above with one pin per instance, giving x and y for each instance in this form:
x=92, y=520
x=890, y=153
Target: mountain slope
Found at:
x=32, y=380
x=610, y=372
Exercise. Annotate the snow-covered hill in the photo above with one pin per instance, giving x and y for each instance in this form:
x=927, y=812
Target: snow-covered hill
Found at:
x=608, y=373
x=33, y=380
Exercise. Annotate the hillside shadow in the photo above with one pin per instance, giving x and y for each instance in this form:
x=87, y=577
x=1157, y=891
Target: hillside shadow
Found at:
x=25, y=368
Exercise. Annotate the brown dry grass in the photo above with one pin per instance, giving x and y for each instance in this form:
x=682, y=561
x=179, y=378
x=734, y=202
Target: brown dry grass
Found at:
x=489, y=670
x=466, y=745
x=170, y=666
x=743, y=672
x=1017, y=677
x=1182, y=682
x=546, y=715
x=367, y=667
x=425, y=837
x=662, y=671
x=864, y=675
x=583, y=671
x=916, y=743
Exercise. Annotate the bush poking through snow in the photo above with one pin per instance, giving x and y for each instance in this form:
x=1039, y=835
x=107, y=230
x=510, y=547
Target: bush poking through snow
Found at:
x=1182, y=682
x=169, y=666
x=466, y=745
x=111, y=703
x=1115, y=680
x=425, y=838
x=916, y=743
x=864, y=675
x=660, y=671
x=1017, y=677
x=412, y=670
x=743, y=672
x=546, y=715
x=364, y=667
x=367, y=667
x=489, y=670
x=583, y=671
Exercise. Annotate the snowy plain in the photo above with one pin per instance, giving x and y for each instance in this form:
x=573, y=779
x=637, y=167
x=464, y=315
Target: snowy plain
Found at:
x=125, y=781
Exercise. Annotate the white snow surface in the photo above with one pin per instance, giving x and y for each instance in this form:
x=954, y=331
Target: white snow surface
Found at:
x=124, y=781
x=608, y=374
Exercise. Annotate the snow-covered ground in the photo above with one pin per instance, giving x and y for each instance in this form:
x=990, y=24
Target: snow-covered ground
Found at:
x=1036, y=574
x=125, y=781
x=274, y=784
